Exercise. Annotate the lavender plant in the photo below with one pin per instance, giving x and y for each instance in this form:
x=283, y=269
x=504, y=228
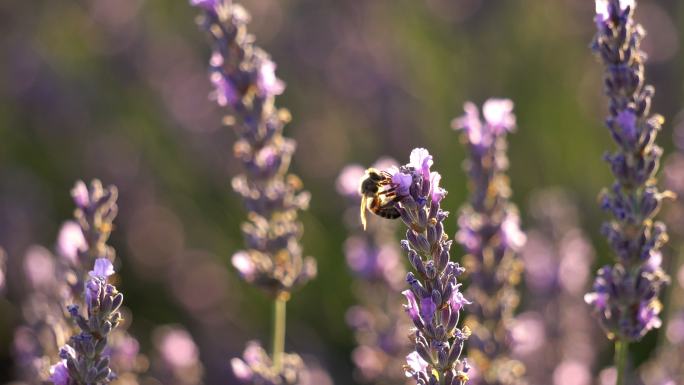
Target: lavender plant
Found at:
x=625, y=295
x=244, y=79
x=489, y=231
x=434, y=300
x=375, y=261
x=84, y=361
x=59, y=281
x=86, y=357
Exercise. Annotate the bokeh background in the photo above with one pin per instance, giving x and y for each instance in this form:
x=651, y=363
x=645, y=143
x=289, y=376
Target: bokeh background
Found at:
x=117, y=89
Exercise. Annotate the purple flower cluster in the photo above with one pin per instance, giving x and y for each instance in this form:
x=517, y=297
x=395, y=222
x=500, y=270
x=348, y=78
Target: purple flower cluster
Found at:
x=244, y=81
x=58, y=281
x=625, y=295
x=87, y=357
x=489, y=231
x=84, y=361
x=256, y=367
x=95, y=211
x=555, y=335
x=375, y=261
x=434, y=300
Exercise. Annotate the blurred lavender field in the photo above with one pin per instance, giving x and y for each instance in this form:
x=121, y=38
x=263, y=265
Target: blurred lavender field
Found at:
x=118, y=90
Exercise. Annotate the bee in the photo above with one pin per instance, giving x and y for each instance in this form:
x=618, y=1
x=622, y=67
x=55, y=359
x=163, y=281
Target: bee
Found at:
x=378, y=195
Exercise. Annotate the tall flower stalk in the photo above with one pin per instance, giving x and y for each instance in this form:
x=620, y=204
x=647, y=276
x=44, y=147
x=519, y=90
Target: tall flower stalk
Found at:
x=245, y=84
x=374, y=259
x=86, y=358
x=625, y=295
x=57, y=283
x=489, y=231
x=434, y=300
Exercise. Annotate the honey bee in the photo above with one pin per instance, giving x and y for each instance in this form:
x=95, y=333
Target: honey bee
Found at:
x=378, y=195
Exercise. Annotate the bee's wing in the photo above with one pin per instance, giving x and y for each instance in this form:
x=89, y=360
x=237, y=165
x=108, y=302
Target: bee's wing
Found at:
x=364, y=200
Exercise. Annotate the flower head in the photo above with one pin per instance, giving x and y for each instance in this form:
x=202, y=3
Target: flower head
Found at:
x=208, y=5
x=71, y=241
x=402, y=181
x=267, y=82
x=224, y=90
x=421, y=160
x=499, y=114
x=103, y=268
x=80, y=194
x=59, y=373
x=243, y=263
x=603, y=8
x=415, y=364
x=470, y=123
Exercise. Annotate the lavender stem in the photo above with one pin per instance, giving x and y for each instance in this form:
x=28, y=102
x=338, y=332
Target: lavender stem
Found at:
x=279, y=312
x=621, y=352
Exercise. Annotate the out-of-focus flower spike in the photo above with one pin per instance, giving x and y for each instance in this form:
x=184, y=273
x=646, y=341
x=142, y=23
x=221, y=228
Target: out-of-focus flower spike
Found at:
x=246, y=84
x=489, y=232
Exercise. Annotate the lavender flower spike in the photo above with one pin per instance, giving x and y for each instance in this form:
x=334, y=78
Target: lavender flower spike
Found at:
x=433, y=298
x=245, y=82
x=244, y=79
x=257, y=368
x=83, y=359
x=489, y=231
x=625, y=295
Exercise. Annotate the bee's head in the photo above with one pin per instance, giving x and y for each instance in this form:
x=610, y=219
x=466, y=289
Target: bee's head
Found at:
x=370, y=182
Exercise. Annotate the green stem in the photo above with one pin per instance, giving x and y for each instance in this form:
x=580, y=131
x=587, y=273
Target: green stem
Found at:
x=621, y=352
x=278, y=333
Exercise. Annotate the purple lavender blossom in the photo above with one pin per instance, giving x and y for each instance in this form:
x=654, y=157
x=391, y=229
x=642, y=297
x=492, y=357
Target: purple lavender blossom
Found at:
x=95, y=211
x=625, y=295
x=64, y=280
x=433, y=298
x=84, y=356
x=375, y=261
x=59, y=373
x=256, y=367
x=245, y=81
x=71, y=242
x=489, y=231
